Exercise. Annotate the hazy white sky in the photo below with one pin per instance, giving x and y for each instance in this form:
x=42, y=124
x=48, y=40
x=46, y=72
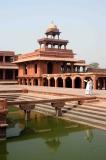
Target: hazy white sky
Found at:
x=82, y=22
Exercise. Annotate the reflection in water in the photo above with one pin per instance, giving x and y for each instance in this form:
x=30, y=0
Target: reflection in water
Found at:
x=46, y=127
x=89, y=135
x=53, y=143
x=14, y=131
x=44, y=134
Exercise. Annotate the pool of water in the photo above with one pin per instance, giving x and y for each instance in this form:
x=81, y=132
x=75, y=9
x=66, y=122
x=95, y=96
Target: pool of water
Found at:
x=46, y=138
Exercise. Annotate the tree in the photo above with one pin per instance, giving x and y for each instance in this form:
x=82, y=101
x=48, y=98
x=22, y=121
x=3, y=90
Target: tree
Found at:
x=94, y=65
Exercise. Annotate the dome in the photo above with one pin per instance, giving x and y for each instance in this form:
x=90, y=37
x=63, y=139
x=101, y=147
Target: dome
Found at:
x=52, y=27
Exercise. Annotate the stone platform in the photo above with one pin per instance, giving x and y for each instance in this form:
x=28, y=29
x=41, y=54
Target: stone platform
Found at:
x=91, y=112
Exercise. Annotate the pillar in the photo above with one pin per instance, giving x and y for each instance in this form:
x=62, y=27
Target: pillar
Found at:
x=58, y=106
x=27, y=115
x=39, y=82
x=83, y=83
x=27, y=110
x=64, y=82
x=94, y=82
x=48, y=82
x=32, y=81
x=73, y=82
x=56, y=85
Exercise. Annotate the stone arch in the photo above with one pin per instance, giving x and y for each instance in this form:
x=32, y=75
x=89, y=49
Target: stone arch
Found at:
x=77, y=82
x=36, y=82
x=45, y=82
x=101, y=83
x=59, y=82
x=68, y=82
x=52, y=82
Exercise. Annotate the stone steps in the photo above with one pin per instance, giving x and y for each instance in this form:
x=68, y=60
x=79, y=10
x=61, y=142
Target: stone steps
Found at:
x=84, y=114
x=102, y=113
x=89, y=115
x=95, y=105
x=46, y=110
x=86, y=120
x=88, y=107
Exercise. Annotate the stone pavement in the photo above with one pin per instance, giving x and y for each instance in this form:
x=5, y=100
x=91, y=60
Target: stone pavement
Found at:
x=53, y=90
x=92, y=113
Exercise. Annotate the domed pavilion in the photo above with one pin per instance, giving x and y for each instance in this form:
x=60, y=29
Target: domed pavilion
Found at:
x=53, y=64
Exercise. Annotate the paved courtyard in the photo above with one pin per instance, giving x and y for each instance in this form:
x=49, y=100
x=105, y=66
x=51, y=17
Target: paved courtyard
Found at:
x=53, y=90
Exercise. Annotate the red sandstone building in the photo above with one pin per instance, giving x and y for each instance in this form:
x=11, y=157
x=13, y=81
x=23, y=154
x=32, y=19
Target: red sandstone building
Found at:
x=55, y=65
x=8, y=71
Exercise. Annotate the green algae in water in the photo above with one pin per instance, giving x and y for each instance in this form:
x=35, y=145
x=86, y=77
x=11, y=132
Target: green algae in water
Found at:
x=47, y=138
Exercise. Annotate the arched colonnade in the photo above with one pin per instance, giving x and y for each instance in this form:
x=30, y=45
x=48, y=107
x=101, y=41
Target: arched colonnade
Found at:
x=67, y=82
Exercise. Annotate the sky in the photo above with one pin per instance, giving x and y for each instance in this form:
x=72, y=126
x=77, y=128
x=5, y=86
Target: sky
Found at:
x=82, y=22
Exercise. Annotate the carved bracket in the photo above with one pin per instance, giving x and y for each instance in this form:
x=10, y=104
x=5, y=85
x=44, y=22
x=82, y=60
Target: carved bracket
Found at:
x=27, y=107
x=58, y=106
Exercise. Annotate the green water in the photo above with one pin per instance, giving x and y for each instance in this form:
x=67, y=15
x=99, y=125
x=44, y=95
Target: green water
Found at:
x=46, y=138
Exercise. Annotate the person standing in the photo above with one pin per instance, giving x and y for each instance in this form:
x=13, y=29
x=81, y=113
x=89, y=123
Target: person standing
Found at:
x=89, y=87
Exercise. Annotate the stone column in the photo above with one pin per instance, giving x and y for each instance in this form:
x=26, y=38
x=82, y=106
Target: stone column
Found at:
x=27, y=114
x=27, y=110
x=73, y=82
x=64, y=84
x=56, y=85
x=83, y=83
x=32, y=81
x=48, y=82
x=39, y=81
x=58, y=106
